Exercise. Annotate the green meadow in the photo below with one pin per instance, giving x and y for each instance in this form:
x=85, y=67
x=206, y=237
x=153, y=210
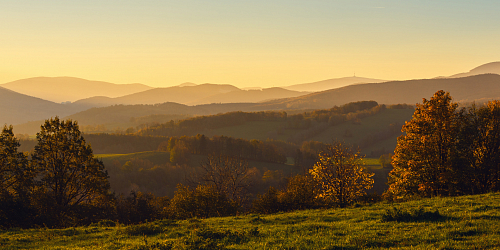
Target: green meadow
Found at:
x=467, y=222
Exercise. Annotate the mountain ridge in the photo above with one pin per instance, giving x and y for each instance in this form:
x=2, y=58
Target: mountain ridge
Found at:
x=70, y=88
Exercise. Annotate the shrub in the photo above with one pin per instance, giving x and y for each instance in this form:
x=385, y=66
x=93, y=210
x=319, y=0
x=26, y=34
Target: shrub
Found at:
x=203, y=201
x=267, y=203
x=398, y=215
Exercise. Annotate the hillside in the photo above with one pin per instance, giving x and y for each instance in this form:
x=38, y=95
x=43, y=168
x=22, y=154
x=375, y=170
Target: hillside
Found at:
x=19, y=108
x=71, y=88
x=331, y=84
x=467, y=89
x=466, y=222
x=489, y=68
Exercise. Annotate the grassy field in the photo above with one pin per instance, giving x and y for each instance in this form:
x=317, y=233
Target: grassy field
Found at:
x=468, y=222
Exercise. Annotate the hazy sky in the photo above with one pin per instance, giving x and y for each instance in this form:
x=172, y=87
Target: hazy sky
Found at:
x=246, y=43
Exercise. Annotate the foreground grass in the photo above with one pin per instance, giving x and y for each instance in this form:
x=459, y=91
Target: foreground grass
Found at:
x=468, y=222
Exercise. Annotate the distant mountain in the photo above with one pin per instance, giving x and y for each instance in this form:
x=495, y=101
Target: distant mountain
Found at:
x=489, y=68
x=331, y=84
x=477, y=88
x=19, y=108
x=63, y=89
x=184, y=95
x=248, y=96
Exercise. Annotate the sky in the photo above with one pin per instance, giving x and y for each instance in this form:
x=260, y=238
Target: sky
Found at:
x=254, y=43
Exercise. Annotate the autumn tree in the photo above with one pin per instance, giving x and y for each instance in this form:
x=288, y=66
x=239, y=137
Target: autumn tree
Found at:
x=425, y=155
x=71, y=182
x=340, y=174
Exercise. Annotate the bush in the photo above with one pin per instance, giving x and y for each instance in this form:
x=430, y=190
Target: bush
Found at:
x=267, y=203
x=396, y=214
x=204, y=201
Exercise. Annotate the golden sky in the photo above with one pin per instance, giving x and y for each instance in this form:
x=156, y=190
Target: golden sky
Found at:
x=245, y=43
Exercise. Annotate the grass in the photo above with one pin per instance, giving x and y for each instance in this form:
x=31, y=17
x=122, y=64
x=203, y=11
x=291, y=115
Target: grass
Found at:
x=468, y=222
x=371, y=162
x=156, y=157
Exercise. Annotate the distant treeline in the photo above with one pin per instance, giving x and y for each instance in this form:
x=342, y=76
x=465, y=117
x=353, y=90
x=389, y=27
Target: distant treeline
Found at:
x=192, y=125
x=311, y=122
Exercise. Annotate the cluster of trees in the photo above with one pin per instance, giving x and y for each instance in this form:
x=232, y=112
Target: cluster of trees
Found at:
x=447, y=151
x=60, y=181
x=314, y=122
x=333, y=116
x=181, y=147
x=222, y=188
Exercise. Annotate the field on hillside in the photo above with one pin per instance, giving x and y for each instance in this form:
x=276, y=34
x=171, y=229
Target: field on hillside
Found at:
x=467, y=222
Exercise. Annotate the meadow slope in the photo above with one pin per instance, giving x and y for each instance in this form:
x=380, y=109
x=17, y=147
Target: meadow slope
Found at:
x=467, y=222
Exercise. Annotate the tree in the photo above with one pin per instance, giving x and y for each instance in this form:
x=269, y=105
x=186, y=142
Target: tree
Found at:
x=14, y=169
x=340, y=174
x=70, y=178
x=179, y=154
x=424, y=157
x=230, y=176
x=479, y=148
x=385, y=160
x=15, y=182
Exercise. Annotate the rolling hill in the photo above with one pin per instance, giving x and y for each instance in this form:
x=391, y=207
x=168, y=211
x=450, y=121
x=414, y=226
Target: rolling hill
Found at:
x=489, y=68
x=192, y=95
x=331, y=84
x=477, y=88
x=19, y=108
x=178, y=94
x=64, y=89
